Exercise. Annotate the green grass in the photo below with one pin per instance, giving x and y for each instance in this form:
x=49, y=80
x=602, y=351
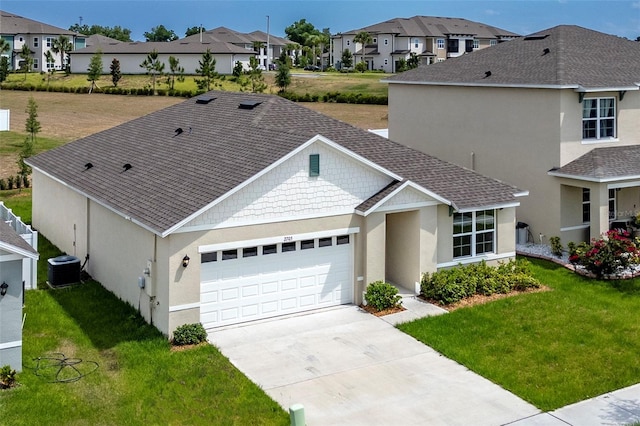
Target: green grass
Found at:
x=315, y=83
x=577, y=341
x=11, y=143
x=139, y=380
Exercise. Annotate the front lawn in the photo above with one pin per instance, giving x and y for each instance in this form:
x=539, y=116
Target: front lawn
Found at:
x=577, y=341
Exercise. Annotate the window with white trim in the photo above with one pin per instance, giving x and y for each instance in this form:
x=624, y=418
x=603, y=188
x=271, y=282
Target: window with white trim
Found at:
x=49, y=41
x=348, y=42
x=493, y=42
x=473, y=233
x=476, y=43
x=440, y=43
x=598, y=118
x=613, y=211
x=36, y=42
x=35, y=63
x=586, y=205
x=386, y=41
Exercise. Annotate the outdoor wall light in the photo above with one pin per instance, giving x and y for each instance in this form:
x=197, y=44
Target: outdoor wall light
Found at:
x=3, y=288
x=185, y=261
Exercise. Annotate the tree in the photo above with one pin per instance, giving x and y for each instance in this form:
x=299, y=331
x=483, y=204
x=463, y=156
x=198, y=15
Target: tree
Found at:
x=299, y=31
x=402, y=65
x=116, y=75
x=160, y=33
x=26, y=59
x=62, y=45
x=175, y=71
x=238, y=68
x=255, y=76
x=154, y=66
x=4, y=68
x=313, y=40
x=192, y=31
x=346, y=59
x=5, y=46
x=32, y=126
x=48, y=57
x=363, y=38
x=413, y=61
x=117, y=32
x=95, y=69
x=207, y=70
x=283, y=75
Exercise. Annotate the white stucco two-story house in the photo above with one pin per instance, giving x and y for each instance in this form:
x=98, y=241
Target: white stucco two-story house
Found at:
x=233, y=207
x=557, y=112
x=432, y=38
x=19, y=31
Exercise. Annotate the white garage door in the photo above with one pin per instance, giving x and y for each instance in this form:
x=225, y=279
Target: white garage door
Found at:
x=250, y=283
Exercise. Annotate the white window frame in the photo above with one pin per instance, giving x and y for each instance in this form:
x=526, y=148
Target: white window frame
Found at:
x=440, y=43
x=348, y=42
x=35, y=63
x=473, y=234
x=49, y=41
x=386, y=41
x=599, y=119
x=586, y=205
x=613, y=202
x=493, y=42
x=36, y=42
x=476, y=43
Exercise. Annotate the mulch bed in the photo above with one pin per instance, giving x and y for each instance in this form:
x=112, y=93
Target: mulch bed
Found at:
x=479, y=299
x=373, y=311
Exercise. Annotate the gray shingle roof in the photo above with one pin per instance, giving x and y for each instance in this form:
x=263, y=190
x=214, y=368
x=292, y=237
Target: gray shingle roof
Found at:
x=612, y=163
x=434, y=26
x=174, y=176
x=10, y=237
x=14, y=24
x=138, y=47
x=576, y=57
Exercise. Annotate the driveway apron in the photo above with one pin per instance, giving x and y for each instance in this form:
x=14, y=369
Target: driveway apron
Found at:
x=346, y=366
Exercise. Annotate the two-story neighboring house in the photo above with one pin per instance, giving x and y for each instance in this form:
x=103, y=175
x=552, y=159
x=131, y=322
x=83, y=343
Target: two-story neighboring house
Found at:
x=40, y=38
x=433, y=39
x=556, y=112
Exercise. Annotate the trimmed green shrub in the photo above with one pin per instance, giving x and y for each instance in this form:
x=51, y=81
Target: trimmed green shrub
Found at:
x=556, y=246
x=7, y=377
x=10, y=182
x=382, y=296
x=452, y=285
x=189, y=334
x=3, y=185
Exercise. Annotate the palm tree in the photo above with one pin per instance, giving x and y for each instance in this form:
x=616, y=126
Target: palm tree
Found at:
x=313, y=40
x=62, y=45
x=48, y=56
x=363, y=38
x=4, y=46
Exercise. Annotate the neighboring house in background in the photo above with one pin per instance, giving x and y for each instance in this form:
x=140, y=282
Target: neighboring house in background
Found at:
x=557, y=112
x=132, y=54
x=13, y=252
x=433, y=39
x=234, y=207
x=99, y=39
x=246, y=41
x=39, y=36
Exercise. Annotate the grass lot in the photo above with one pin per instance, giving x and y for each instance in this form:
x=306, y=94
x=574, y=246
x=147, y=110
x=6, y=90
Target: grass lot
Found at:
x=554, y=348
x=301, y=82
x=138, y=379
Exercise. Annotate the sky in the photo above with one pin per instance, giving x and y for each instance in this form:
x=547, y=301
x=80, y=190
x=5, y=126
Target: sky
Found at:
x=621, y=18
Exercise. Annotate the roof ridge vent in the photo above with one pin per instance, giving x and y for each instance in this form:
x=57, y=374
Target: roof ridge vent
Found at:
x=249, y=104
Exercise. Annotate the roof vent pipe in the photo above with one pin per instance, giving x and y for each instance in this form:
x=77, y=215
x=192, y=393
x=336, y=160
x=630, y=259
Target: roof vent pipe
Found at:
x=546, y=51
x=88, y=166
x=126, y=167
x=487, y=74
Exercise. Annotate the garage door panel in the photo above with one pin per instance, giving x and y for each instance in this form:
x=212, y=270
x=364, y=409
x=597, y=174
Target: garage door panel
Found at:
x=264, y=286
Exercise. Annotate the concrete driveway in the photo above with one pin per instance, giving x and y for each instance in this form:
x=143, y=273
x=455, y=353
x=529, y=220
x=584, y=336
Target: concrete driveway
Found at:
x=349, y=367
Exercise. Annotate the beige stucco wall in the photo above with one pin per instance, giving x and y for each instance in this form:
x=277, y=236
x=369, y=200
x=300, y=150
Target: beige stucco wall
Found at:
x=486, y=129
x=403, y=248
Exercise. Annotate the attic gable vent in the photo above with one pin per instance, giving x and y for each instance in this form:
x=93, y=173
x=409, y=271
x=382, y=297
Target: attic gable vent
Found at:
x=536, y=37
x=205, y=99
x=249, y=104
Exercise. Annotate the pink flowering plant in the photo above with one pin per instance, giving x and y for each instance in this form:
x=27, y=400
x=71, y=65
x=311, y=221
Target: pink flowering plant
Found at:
x=613, y=252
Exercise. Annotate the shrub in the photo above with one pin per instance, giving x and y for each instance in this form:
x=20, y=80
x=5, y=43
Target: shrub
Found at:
x=612, y=252
x=3, y=185
x=382, y=296
x=25, y=181
x=10, y=182
x=7, y=377
x=18, y=181
x=556, y=246
x=189, y=334
x=452, y=285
